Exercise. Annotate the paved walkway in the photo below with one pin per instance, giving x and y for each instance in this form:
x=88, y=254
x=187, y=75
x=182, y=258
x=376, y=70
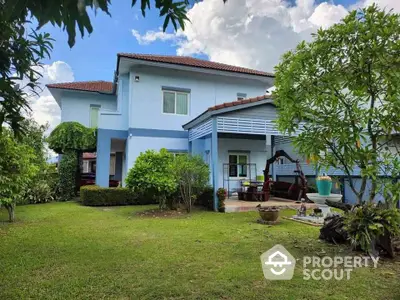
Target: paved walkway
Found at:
x=234, y=205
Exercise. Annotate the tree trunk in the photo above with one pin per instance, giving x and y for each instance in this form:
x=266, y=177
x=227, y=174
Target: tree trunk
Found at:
x=11, y=211
x=343, y=206
x=78, y=171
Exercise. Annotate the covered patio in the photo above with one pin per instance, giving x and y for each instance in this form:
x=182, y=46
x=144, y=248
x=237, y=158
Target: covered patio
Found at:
x=235, y=139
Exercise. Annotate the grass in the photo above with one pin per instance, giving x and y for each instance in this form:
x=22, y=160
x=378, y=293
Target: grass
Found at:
x=68, y=251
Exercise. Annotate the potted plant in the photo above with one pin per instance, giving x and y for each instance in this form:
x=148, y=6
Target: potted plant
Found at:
x=324, y=185
x=269, y=213
x=221, y=195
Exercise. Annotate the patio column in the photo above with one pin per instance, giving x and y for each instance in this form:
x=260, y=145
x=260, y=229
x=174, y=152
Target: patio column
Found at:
x=103, y=158
x=214, y=159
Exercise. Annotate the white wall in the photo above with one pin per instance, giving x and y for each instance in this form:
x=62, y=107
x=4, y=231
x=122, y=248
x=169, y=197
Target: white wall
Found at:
x=258, y=154
x=75, y=106
x=206, y=91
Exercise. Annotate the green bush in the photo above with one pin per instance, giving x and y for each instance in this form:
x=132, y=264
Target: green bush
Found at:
x=92, y=195
x=206, y=198
x=151, y=176
x=68, y=175
x=366, y=224
x=191, y=174
x=221, y=194
x=36, y=192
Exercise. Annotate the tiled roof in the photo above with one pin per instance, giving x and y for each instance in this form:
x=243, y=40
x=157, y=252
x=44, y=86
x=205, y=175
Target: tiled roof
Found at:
x=88, y=155
x=90, y=86
x=194, y=62
x=239, y=102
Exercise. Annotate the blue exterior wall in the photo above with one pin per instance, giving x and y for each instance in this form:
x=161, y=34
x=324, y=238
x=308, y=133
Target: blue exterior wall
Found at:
x=205, y=91
x=75, y=106
x=118, y=118
x=104, y=137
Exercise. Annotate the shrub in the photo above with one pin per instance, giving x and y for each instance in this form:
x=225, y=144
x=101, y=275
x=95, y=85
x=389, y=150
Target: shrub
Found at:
x=151, y=176
x=206, y=198
x=68, y=175
x=191, y=174
x=366, y=224
x=74, y=136
x=221, y=194
x=36, y=192
x=93, y=195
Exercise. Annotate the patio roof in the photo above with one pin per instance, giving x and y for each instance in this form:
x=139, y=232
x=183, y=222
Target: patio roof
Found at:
x=228, y=107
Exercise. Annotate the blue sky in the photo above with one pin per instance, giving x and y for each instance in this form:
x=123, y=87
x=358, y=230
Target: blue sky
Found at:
x=248, y=33
x=94, y=56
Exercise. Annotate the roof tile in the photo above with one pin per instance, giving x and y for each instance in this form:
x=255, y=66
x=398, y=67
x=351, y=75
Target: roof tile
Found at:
x=194, y=62
x=89, y=86
x=239, y=102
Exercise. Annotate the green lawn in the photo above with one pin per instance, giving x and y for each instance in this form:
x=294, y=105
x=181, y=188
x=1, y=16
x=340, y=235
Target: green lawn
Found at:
x=67, y=251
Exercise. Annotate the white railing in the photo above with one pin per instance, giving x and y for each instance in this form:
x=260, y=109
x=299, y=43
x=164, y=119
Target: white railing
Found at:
x=248, y=126
x=200, y=130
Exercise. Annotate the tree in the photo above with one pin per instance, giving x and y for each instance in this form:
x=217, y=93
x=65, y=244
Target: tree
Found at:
x=152, y=176
x=16, y=170
x=21, y=52
x=20, y=55
x=192, y=175
x=344, y=87
x=71, y=139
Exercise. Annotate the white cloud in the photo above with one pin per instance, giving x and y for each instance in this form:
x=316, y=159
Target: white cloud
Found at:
x=44, y=107
x=325, y=15
x=385, y=4
x=252, y=33
x=151, y=36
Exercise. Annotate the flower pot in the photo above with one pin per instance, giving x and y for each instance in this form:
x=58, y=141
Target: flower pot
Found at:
x=324, y=187
x=269, y=214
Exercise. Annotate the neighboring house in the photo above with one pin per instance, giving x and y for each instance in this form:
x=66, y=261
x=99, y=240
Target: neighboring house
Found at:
x=183, y=104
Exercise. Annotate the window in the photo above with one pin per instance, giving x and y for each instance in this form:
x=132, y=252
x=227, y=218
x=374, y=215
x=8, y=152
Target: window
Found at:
x=94, y=116
x=241, y=96
x=238, y=165
x=175, y=102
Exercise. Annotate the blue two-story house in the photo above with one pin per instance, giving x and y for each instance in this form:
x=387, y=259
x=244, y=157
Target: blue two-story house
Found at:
x=183, y=104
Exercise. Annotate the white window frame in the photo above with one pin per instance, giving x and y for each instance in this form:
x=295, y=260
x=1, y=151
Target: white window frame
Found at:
x=237, y=154
x=175, y=92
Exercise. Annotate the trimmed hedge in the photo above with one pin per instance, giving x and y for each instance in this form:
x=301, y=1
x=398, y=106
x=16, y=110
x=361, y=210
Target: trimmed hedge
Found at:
x=92, y=195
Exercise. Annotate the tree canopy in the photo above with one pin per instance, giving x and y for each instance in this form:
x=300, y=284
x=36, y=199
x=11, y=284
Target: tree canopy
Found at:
x=72, y=136
x=22, y=164
x=344, y=86
x=22, y=49
x=69, y=14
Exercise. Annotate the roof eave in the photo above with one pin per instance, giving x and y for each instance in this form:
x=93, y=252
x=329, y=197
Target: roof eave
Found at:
x=266, y=77
x=79, y=90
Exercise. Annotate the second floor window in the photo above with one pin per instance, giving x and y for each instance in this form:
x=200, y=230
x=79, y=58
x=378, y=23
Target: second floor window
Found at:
x=175, y=103
x=94, y=116
x=241, y=96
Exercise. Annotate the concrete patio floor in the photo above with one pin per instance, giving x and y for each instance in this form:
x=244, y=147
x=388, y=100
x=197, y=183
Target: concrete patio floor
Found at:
x=232, y=204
